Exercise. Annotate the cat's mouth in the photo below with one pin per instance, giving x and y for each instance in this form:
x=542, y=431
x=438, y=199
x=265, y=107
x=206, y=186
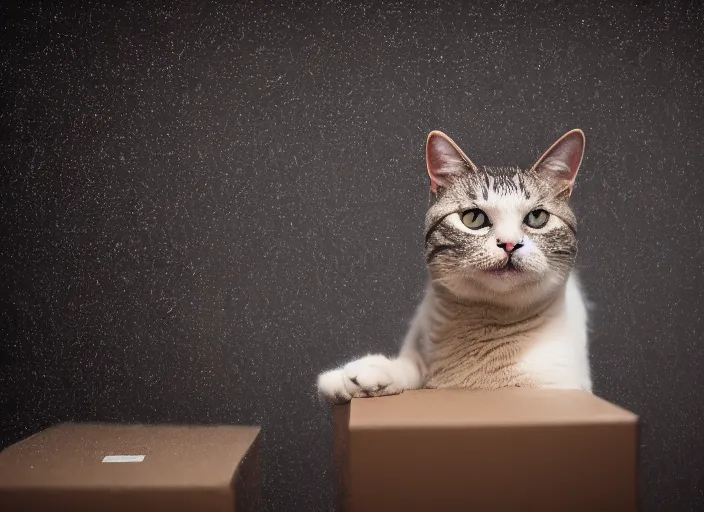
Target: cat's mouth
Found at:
x=508, y=269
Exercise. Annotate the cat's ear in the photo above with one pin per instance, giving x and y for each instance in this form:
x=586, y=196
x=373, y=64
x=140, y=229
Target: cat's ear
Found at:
x=560, y=163
x=445, y=160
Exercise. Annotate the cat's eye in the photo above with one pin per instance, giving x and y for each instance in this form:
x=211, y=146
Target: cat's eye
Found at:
x=475, y=219
x=537, y=219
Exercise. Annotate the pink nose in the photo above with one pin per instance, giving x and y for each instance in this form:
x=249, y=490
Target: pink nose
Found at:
x=509, y=247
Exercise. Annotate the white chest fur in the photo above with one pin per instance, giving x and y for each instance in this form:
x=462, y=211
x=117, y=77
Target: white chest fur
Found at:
x=478, y=347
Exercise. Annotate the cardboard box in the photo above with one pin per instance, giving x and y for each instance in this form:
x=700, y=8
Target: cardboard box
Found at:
x=132, y=468
x=510, y=449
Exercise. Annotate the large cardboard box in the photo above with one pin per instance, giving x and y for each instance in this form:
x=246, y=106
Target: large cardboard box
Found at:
x=79, y=467
x=504, y=450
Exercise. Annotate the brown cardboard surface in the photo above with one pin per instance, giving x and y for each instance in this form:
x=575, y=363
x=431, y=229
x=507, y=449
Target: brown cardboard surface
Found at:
x=185, y=468
x=510, y=449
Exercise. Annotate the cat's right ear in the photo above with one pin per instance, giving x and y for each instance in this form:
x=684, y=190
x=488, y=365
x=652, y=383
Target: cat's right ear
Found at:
x=445, y=160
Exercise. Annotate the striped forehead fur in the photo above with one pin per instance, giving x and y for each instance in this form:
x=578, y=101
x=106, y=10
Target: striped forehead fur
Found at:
x=502, y=180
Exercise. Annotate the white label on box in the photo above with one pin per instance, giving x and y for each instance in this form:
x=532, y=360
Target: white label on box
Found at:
x=123, y=458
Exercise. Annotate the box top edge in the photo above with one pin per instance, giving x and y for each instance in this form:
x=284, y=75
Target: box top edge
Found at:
x=515, y=407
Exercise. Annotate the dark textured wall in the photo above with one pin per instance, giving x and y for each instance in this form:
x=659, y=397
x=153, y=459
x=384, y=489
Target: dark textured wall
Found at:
x=204, y=206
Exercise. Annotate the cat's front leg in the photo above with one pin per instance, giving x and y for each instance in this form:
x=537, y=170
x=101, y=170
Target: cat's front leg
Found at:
x=377, y=375
x=374, y=375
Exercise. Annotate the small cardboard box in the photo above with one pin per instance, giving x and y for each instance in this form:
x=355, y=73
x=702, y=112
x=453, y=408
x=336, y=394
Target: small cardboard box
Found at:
x=504, y=450
x=79, y=467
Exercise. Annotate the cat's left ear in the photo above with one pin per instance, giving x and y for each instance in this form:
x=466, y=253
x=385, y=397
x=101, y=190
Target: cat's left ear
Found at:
x=560, y=163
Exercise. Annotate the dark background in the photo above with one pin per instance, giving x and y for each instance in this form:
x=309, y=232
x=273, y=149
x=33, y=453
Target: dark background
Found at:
x=204, y=206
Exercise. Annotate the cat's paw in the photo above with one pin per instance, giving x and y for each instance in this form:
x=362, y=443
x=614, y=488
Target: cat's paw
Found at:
x=370, y=376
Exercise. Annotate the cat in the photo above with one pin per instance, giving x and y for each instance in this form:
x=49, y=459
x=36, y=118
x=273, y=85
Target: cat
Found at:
x=503, y=305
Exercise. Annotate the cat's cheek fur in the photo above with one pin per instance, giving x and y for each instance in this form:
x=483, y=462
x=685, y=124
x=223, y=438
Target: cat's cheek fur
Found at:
x=527, y=249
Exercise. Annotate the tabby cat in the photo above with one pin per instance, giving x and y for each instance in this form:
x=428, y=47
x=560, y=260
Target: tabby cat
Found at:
x=503, y=306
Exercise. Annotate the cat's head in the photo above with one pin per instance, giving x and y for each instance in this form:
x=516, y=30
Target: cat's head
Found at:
x=493, y=232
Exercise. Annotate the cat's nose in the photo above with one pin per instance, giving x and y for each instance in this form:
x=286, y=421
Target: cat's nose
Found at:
x=509, y=247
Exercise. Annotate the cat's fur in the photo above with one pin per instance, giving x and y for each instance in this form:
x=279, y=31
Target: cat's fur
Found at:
x=481, y=326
